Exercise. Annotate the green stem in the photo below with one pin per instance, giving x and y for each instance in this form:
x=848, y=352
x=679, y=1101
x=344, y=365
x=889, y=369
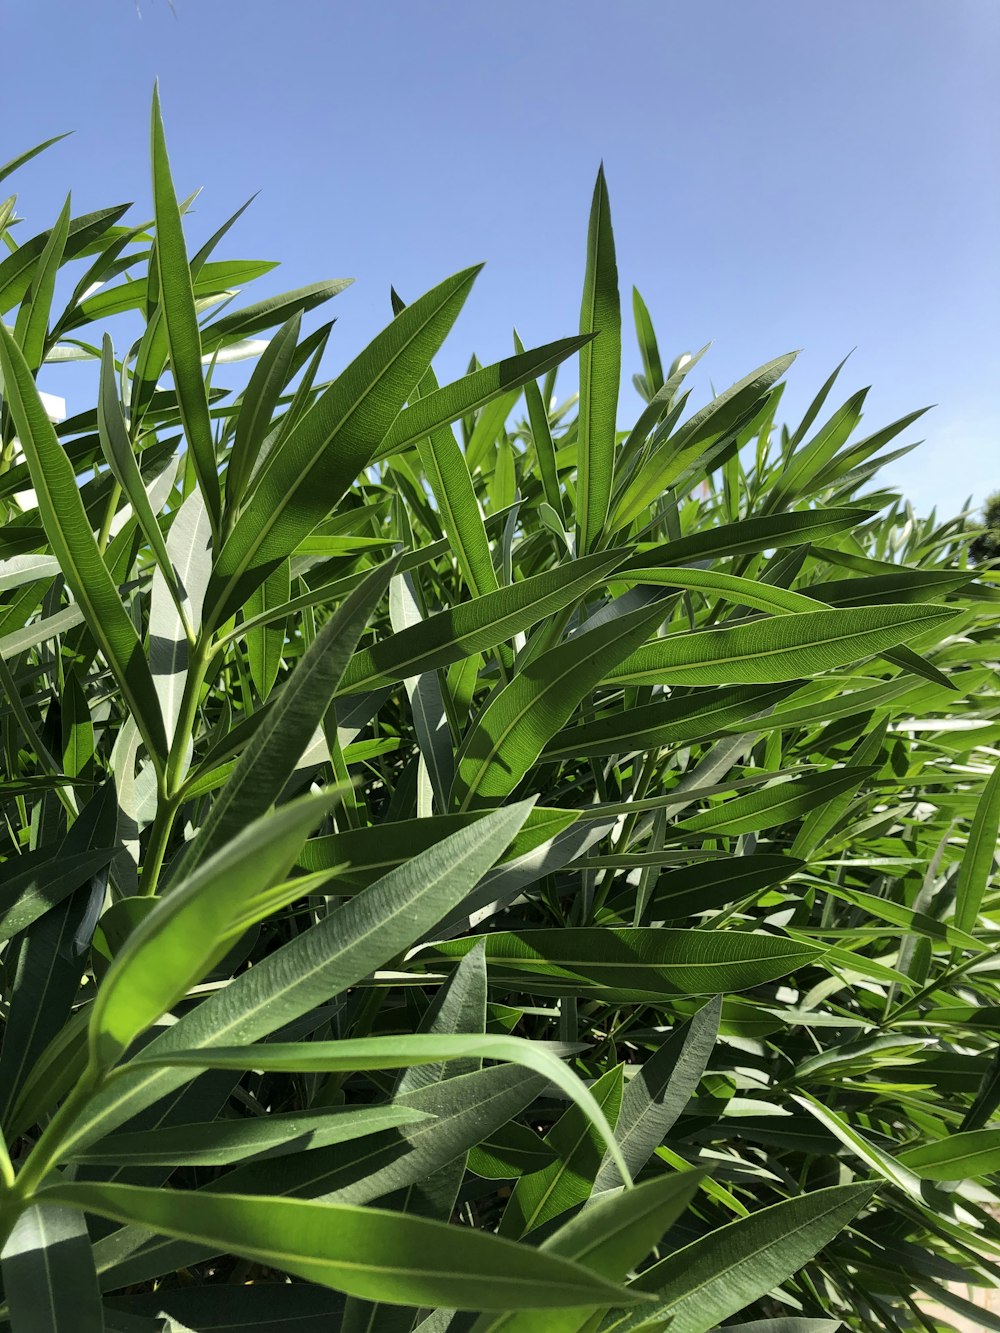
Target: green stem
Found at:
x=944, y=979
x=109, y=514
x=197, y=667
x=171, y=792
x=6, y=1165
x=159, y=837
x=46, y=1152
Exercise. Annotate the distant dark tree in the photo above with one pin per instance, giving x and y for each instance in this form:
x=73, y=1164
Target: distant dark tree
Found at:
x=986, y=547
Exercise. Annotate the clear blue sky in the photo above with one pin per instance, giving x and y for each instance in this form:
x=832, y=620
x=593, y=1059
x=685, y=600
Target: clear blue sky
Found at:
x=790, y=173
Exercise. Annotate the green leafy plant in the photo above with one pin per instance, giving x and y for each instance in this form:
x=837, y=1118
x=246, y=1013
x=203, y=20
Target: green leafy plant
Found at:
x=468, y=866
x=985, y=549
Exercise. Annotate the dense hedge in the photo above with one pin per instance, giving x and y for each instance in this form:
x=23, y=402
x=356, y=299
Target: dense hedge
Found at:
x=431, y=809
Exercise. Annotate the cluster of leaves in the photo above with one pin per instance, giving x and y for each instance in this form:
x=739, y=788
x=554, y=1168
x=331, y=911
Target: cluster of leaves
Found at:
x=530, y=878
x=985, y=548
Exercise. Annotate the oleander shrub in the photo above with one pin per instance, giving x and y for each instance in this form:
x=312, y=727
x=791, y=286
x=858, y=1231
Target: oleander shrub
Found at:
x=468, y=866
x=985, y=548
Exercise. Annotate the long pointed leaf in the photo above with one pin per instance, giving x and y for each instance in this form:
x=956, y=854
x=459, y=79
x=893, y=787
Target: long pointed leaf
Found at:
x=477, y=625
x=304, y=478
x=73, y=544
x=180, y=318
x=777, y=648
x=600, y=370
x=723, y=1272
x=362, y=1251
x=48, y=1272
x=291, y=720
x=510, y=732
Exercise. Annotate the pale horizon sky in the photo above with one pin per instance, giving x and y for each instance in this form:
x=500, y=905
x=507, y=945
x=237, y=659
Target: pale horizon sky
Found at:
x=782, y=174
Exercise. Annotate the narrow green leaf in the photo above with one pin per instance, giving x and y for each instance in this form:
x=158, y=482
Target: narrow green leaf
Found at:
x=17, y=268
x=175, y=607
x=810, y=460
x=648, y=349
x=725, y=1271
x=641, y=963
x=967, y=1156
x=257, y=409
x=48, y=1273
x=541, y=438
x=213, y=279
x=367, y=853
x=225, y=1142
x=822, y=821
x=337, y=952
x=32, y=322
x=180, y=939
x=666, y=463
x=610, y=1236
x=777, y=648
x=266, y=643
x=7, y=208
x=835, y=703
x=508, y=1152
x=566, y=1182
x=814, y=408
x=662, y=404
x=44, y=964
x=400, y=1053
x=904, y=585
x=289, y=724
x=442, y=406
x=508, y=735
x=460, y=1006
x=477, y=625
x=483, y=450
x=600, y=371
x=778, y=803
x=27, y=893
x=729, y=587
x=117, y=449
x=8, y=168
x=456, y=1113
x=362, y=1251
x=73, y=544
x=916, y=923
x=862, y=1147
x=750, y=535
x=659, y=1090
x=78, y=746
x=181, y=321
x=673, y=721
x=712, y=884
x=266, y=314
x=450, y=480
x=977, y=862
x=365, y=1053
x=335, y=440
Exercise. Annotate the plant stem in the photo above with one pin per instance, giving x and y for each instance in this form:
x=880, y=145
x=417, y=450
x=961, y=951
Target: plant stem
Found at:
x=159, y=837
x=18, y=1195
x=6, y=1165
x=171, y=786
x=945, y=978
x=109, y=514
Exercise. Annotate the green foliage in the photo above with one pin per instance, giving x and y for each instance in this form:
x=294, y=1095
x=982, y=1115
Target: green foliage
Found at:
x=985, y=549
x=468, y=866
